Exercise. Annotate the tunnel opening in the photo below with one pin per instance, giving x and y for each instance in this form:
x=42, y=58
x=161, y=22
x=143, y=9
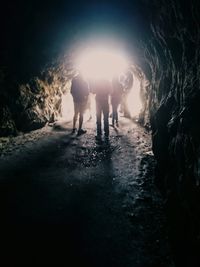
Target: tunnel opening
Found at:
x=137, y=98
x=102, y=58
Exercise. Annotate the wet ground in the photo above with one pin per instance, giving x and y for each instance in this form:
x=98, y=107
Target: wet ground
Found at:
x=72, y=201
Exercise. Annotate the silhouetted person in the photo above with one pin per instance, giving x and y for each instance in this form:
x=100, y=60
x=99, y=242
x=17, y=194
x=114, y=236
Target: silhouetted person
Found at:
x=102, y=89
x=127, y=81
x=80, y=92
x=116, y=98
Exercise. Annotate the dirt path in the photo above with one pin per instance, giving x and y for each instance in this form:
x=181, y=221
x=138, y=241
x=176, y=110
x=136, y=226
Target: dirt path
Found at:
x=69, y=200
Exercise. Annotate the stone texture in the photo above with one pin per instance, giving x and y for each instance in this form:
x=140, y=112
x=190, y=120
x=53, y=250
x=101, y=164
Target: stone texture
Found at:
x=173, y=56
x=7, y=124
x=29, y=106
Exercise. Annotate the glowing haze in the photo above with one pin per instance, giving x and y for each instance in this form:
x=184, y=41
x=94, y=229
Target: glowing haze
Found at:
x=97, y=62
x=102, y=61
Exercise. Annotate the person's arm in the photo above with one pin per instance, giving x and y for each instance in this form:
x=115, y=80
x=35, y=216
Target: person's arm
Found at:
x=110, y=88
x=72, y=88
x=88, y=89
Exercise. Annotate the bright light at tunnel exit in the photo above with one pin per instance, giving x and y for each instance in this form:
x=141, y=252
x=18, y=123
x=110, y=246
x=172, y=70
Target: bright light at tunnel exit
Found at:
x=134, y=104
x=95, y=63
x=98, y=62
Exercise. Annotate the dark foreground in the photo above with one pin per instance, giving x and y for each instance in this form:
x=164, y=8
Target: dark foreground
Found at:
x=70, y=201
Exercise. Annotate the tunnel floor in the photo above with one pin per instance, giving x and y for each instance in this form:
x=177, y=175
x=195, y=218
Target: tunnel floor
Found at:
x=67, y=200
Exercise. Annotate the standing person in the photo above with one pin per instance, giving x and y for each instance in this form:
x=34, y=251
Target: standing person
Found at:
x=116, y=97
x=102, y=89
x=80, y=92
x=127, y=81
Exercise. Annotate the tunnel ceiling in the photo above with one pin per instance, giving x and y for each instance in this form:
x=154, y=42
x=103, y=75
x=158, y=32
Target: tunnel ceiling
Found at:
x=35, y=32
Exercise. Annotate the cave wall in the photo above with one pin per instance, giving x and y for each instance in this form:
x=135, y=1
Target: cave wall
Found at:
x=172, y=55
x=29, y=105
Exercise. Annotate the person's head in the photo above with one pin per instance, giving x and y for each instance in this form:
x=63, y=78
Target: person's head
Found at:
x=79, y=75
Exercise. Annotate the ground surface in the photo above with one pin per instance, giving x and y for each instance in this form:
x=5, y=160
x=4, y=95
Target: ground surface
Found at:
x=72, y=201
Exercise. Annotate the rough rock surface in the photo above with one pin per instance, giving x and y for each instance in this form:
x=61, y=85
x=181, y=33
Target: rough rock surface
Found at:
x=29, y=106
x=173, y=56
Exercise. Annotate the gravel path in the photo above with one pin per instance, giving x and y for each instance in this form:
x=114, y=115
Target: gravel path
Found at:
x=68, y=200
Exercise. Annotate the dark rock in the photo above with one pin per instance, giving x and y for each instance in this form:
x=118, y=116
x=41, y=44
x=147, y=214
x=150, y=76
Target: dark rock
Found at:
x=32, y=104
x=7, y=125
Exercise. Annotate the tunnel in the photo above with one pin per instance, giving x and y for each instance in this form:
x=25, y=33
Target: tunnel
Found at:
x=40, y=41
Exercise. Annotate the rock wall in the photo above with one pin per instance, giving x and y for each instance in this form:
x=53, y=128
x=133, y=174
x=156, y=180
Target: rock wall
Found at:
x=30, y=105
x=173, y=58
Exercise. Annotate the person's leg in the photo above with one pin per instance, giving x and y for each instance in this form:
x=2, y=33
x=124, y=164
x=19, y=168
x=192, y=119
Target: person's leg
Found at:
x=89, y=105
x=113, y=114
x=116, y=114
x=82, y=107
x=80, y=120
x=114, y=118
x=75, y=115
x=123, y=104
x=106, y=115
x=98, y=118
